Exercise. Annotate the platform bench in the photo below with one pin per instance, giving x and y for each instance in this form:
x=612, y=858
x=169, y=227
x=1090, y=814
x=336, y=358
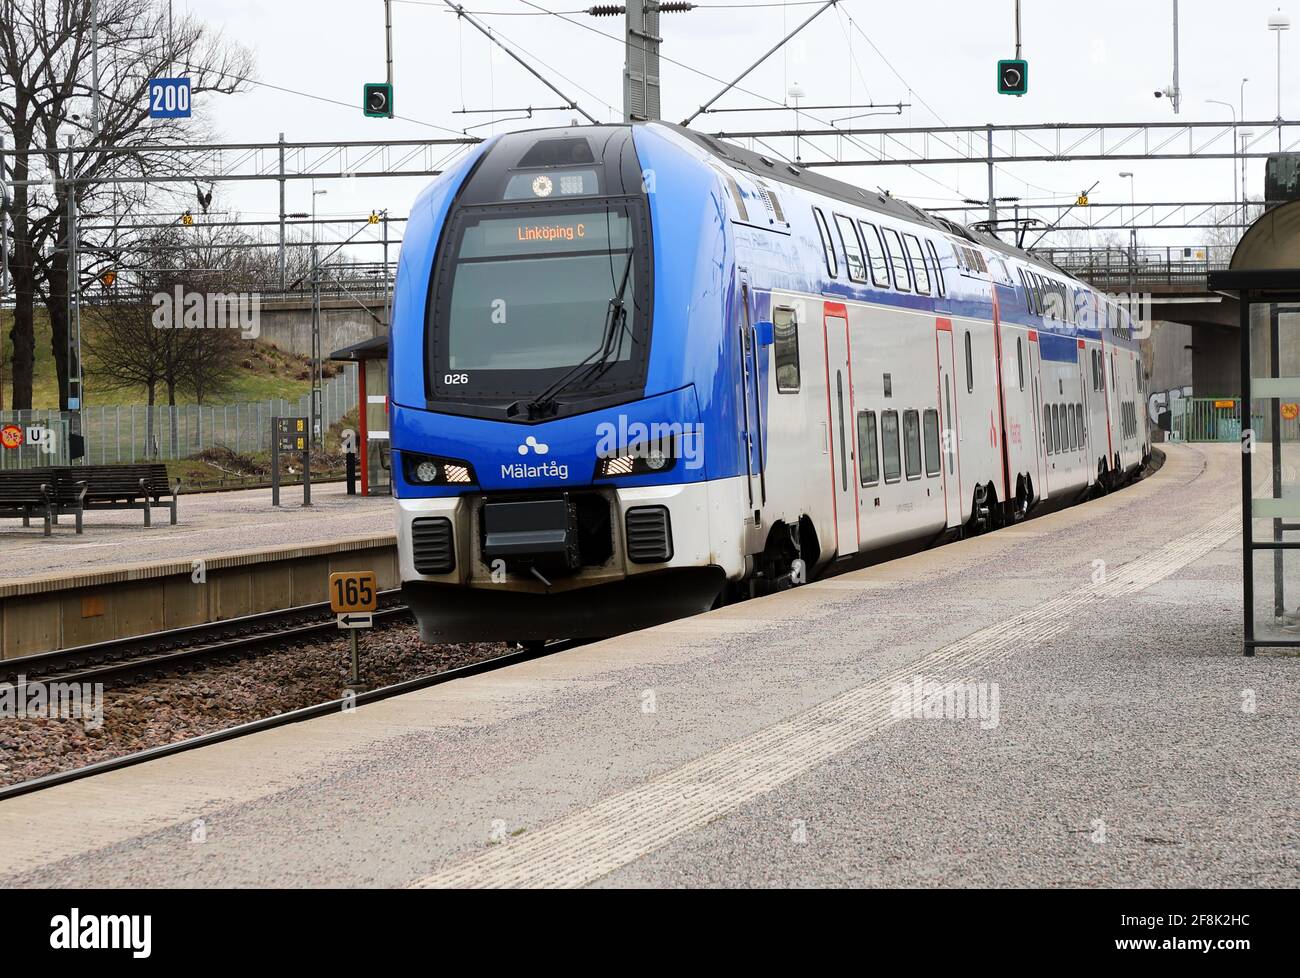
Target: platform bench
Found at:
x=142, y=486
x=26, y=493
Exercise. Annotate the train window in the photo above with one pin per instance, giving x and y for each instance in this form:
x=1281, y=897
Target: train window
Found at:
x=868, y=452
x=919, y=270
x=857, y=267
x=1069, y=427
x=912, y=443
x=932, y=462
x=1056, y=429
x=1092, y=357
x=1047, y=429
x=897, y=258
x=1055, y=307
x=1024, y=284
x=1113, y=385
x=875, y=254
x=1078, y=415
x=970, y=367
x=828, y=246
x=785, y=341
x=940, y=288
x=1020, y=360
x=889, y=438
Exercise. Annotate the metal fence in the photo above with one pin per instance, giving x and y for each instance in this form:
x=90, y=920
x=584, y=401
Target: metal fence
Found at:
x=137, y=432
x=1205, y=419
x=1117, y=269
x=1219, y=419
x=31, y=454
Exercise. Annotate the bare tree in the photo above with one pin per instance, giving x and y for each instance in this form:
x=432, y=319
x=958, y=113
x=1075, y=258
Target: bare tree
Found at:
x=46, y=92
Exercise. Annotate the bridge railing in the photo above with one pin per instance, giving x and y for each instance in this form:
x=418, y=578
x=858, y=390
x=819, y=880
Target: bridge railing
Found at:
x=365, y=281
x=1115, y=269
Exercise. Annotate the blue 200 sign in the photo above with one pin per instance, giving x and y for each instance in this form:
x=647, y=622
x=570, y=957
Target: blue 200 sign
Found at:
x=169, y=98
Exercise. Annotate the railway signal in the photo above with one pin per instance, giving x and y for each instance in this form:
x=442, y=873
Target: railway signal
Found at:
x=377, y=100
x=1013, y=77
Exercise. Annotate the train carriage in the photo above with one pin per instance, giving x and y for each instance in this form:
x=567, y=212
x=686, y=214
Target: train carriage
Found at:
x=636, y=370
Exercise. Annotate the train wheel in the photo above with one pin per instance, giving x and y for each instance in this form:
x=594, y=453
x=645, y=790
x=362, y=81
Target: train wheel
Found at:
x=1102, y=486
x=1024, y=494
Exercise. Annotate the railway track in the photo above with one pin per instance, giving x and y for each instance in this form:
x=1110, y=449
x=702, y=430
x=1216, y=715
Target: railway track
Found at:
x=187, y=647
x=284, y=719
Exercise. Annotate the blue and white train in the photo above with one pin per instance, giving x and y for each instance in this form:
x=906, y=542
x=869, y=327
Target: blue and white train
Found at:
x=635, y=371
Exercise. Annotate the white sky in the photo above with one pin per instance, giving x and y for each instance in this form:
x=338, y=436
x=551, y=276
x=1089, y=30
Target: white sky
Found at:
x=1099, y=61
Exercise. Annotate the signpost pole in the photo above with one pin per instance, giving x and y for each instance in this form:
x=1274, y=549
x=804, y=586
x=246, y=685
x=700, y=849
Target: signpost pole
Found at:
x=275, y=461
x=354, y=680
x=306, y=474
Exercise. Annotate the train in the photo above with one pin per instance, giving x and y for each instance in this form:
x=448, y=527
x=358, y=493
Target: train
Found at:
x=636, y=372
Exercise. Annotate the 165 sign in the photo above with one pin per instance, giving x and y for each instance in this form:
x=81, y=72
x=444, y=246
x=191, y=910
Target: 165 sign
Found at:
x=169, y=98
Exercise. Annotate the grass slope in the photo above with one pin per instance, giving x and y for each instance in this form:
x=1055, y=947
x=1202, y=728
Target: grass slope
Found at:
x=264, y=373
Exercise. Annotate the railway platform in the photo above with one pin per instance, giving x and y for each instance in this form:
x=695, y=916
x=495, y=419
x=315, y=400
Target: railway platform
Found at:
x=231, y=554
x=211, y=524
x=1059, y=703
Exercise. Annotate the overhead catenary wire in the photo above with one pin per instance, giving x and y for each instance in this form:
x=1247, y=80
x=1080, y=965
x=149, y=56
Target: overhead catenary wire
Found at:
x=739, y=88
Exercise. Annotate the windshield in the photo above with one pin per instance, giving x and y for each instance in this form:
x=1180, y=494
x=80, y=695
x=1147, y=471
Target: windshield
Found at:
x=526, y=298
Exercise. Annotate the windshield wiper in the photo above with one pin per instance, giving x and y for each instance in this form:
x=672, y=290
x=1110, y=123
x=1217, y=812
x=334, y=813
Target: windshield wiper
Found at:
x=596, y=363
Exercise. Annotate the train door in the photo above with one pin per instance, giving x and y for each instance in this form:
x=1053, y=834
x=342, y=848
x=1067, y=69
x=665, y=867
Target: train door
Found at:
x=1040, y=430
x=750, y=416
x=1085, y=429
x=839, y=406
x=948, y=413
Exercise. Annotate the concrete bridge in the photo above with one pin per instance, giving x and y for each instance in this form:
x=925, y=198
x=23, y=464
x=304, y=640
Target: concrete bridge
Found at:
x=1194, y=340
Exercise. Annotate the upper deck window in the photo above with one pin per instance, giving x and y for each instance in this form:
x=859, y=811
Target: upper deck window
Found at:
x=857, y=266
x=939, y=284
x=876, y=251
x=898, y=259
x=919, y=270
x=828, y=246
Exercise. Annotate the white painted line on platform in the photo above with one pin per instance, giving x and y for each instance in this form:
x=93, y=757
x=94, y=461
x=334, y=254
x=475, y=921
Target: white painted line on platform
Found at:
x=592, y=843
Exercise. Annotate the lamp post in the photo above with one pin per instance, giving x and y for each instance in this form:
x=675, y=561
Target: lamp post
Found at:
x=317, y=367
x=1242, y=116
x=1133, y=233
x=796, y=92
x=1245, y=136
x=1228, y=105
x=1279, y=22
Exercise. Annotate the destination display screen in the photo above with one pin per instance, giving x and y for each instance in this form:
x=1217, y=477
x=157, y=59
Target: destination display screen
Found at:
x=550, y=234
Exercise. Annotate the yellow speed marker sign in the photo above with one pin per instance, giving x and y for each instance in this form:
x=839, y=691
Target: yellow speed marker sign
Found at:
x=353, y=591
x=1082, y=201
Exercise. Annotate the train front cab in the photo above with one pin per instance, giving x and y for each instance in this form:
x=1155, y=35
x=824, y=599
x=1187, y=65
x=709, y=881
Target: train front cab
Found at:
x=515, y=522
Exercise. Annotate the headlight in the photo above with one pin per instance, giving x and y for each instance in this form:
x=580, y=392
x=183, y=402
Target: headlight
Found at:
x=433, y=470
x=640, y=460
